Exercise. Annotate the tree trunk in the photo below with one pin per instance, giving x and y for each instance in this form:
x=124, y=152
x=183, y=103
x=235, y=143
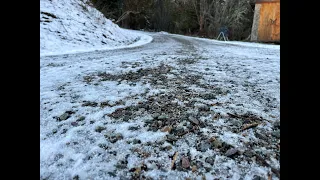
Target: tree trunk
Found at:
x=201, y=24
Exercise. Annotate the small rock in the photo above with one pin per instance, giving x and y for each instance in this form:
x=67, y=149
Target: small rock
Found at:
x=81, y=118
x=74, y=124
x=171, y=138
x=261, y=136
x=248, y=154
x=199, y=164
x=126, y=118
x=236, y=123
x=142, y=109
x=166, y=148
x=149, y=121
x=276, y=124
x=162, y=117
x=92, y=104
x=185, y=162
x=70, y=112
x=190, y=126
x=154, y=129
x=255, y=177
x=163, y=169
x=64, y=116
x=231, y=152
x=208, y=169
x=113, y=153
x=179, y=130
x=208, y=96
x=104, y=104
x=160, y=141
x=276, y=133
x=58, y=156
x=54, y=131
x=144, y=167
x=217, y=143
x=134, y=128
x=153, y=166
x=202, y=124
x=207, y=69
x=210, y=160
x=204, y=146
x=155, y=115
x=64, y=131
x=203, y=107
x=103, y=146
x=128, y=112
x=122, y=164
x=193, y=120
x=154, y=124
x=136, y=141
x=115, y=137
x=112, y=174
x=118, y=113
x=100, y=128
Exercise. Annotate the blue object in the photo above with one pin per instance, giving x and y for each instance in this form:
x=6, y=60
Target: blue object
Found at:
x=225, y=31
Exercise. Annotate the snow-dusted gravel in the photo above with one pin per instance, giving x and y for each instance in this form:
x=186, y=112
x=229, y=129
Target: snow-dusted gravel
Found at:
x=176, y=108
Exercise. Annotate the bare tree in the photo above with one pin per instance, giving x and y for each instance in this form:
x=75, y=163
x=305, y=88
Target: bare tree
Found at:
x=237, y=15
x=204, y=17
x=202, y=9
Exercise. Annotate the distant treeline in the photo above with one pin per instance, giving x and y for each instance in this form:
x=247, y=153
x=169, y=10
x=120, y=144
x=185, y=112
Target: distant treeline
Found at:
x=190, y=17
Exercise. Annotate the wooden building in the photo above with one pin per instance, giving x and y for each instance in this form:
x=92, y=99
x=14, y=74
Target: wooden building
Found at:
x=266, y=21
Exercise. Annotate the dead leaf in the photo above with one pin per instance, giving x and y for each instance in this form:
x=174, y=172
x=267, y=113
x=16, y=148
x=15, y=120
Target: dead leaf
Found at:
x=269, y=176
x=166, y=129
x=174, y=159
x=248, y=126
x=194, y=168
x=216, y=104
x=137, y=171
x=212, y=139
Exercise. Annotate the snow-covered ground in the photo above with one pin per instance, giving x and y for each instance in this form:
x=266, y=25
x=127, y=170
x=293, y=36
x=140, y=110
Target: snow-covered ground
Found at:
x=71, y=26
x=102, y=113
x=176, y=108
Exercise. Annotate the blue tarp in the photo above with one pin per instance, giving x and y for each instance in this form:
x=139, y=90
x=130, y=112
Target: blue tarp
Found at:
x=224, y=30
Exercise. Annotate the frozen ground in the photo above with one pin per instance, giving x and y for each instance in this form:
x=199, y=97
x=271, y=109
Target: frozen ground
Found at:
x=72, y=26
x=176, y=108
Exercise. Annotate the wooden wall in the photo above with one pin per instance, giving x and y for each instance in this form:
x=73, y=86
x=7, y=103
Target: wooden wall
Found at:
x=266, y=25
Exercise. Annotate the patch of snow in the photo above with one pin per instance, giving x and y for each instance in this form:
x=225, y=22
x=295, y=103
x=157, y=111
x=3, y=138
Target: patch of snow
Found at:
x=70, y=147
x=73, y=26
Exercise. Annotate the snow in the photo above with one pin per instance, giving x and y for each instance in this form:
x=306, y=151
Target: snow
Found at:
x=247, y=74
x=62, y=88
x=239, y=43
x=78, y=27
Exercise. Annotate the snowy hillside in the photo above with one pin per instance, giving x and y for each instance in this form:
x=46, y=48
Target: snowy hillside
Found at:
x=68, y=26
